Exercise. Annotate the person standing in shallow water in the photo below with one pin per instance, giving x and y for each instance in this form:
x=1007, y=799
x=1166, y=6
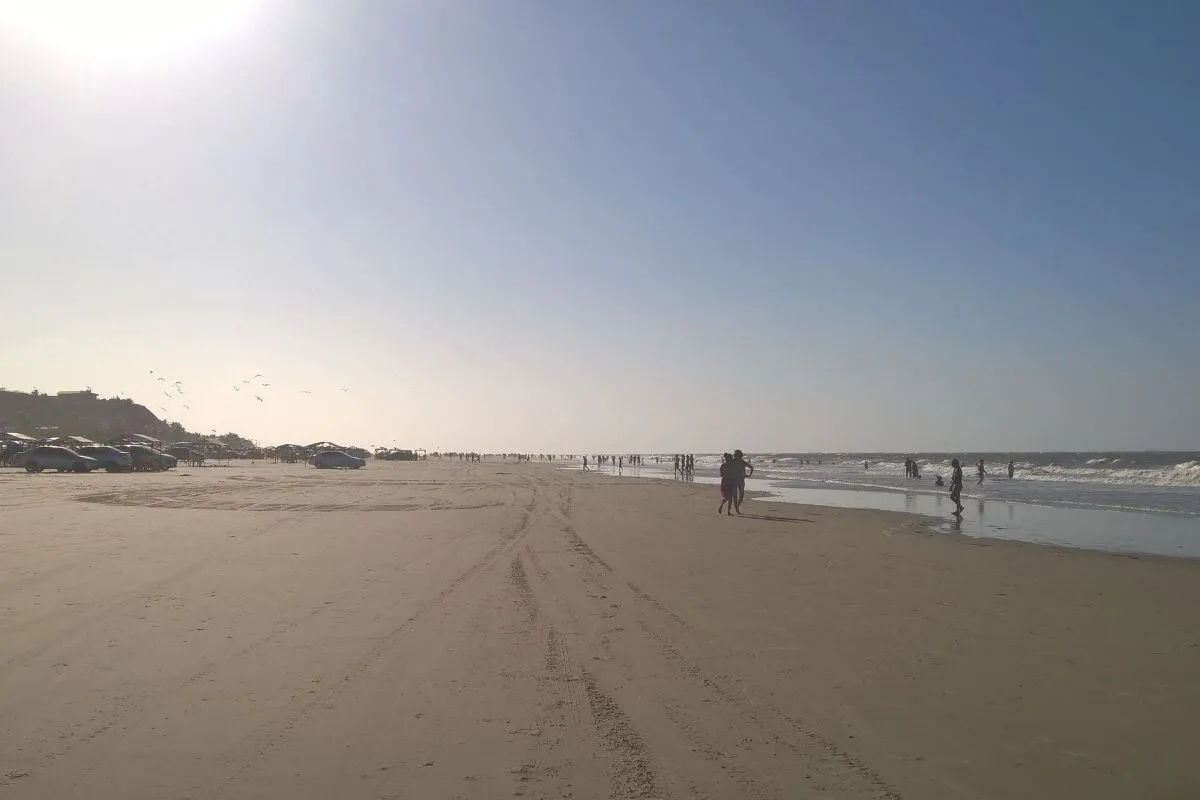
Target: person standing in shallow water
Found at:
x=1011, y=470
x=982, y=472
x=956, y=480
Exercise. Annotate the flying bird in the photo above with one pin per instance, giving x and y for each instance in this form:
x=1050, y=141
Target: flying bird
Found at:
x=305, y=391
x=345, y=390
x=168, y=394
x=189, y=408
x=259, y=399
x=246, y=382
x=236, y=389
x=259, y=375
x=162, y=379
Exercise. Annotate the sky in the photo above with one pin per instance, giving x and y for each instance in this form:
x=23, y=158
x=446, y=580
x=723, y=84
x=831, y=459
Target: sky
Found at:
x=620, y=226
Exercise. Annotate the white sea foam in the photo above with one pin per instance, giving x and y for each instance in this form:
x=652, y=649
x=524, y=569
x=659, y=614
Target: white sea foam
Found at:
x=1109, y=471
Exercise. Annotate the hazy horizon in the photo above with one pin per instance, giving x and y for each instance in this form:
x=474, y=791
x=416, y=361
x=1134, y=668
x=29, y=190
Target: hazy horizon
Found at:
x=792, y=227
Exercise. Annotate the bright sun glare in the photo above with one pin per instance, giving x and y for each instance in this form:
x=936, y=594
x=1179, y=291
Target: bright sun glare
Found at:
x=125, y=31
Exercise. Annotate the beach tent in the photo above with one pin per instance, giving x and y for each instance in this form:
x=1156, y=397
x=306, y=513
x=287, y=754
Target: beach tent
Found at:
x=13, y=436
x=73, y=441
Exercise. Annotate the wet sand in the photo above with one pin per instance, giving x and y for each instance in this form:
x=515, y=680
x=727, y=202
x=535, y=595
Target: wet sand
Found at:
x=478, y=631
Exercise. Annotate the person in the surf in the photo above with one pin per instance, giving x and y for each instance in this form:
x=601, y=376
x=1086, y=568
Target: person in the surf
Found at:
x=728, y=485
x=1011, y=470
x=956, y=485
x=981, y=471
x=939, y=481
x=742, y=469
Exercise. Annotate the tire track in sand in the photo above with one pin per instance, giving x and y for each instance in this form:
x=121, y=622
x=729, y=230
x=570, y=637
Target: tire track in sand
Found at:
x=831, y=767
x=261, y=742
x=579, y=696
x=133, y=704
x=583, y=704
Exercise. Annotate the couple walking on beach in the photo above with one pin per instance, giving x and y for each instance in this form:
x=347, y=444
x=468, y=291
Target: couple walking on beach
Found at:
x=734, y=471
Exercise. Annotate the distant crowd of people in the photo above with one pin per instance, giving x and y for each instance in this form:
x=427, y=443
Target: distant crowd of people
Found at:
x=619, y=462
x=735, y=469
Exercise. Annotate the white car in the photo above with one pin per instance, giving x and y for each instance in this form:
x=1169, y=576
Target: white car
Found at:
x=336, y=459
x=62, y=459
x=110, y=458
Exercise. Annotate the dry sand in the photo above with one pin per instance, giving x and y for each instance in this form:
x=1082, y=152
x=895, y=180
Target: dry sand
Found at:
x=444, y=631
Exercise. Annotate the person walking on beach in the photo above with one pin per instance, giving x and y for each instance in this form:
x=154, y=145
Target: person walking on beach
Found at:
x=1011, y=470
x=728, y=485
x=956, y=480
x=742, y=469
x=585, y=464
x=982, y=472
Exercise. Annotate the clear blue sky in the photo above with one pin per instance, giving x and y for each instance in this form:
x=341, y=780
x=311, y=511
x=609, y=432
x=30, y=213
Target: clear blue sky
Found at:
x=623, y=225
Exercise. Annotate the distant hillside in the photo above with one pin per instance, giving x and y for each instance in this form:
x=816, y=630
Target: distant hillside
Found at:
x=81, y=414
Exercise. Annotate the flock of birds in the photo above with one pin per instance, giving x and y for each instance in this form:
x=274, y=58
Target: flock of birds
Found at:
x=254, y=385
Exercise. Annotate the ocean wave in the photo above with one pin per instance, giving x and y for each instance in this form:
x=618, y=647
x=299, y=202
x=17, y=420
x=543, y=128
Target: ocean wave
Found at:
x=1187, y=474
x=1101, y=471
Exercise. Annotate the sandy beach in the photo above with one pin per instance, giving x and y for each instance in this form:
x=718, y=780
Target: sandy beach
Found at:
x=495, y=630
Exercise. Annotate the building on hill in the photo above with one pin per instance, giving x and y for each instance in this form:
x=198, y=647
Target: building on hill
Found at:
x=83, y=394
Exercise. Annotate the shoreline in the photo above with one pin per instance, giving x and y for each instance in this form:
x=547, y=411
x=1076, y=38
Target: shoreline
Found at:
x=1117, y=531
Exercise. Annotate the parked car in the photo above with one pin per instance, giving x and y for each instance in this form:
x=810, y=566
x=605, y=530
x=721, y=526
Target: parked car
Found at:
x=336, y=459
x=147, y=459
x=112, y=459
x=63, y=459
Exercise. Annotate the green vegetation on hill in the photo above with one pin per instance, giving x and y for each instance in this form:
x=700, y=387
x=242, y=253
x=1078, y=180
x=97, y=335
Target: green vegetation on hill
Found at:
x=85, y=414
